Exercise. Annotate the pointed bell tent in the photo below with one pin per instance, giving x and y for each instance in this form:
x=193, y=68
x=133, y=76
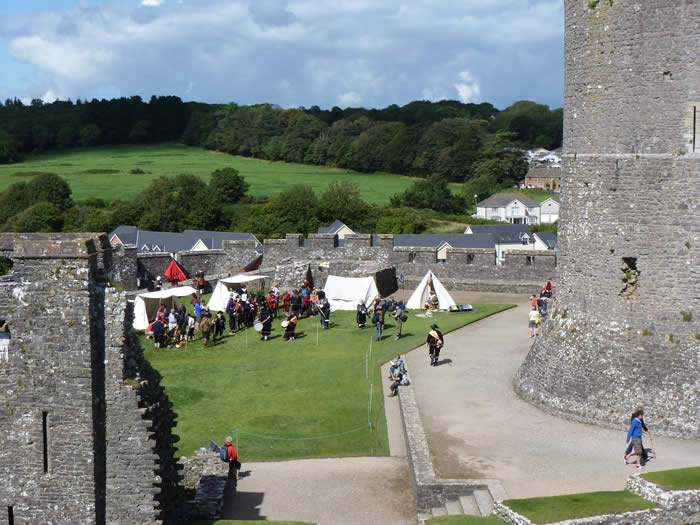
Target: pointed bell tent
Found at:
x=428, y=286
x=174, y=273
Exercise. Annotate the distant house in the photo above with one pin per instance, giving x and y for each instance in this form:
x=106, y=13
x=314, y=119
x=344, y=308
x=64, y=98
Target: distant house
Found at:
x=544, y=178
x=549, y=210
x=545, y=241
x=505, y=237
x=169, y=242
x=337, y=227
x=509, y=207
x=442, y=242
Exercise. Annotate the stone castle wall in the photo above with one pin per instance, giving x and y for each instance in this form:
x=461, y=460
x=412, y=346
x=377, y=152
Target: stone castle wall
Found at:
x=286, y=261
x=85, y=429
x=628, y=296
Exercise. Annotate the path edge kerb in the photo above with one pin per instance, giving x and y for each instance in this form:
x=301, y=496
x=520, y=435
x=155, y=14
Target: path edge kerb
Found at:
x=431, y=491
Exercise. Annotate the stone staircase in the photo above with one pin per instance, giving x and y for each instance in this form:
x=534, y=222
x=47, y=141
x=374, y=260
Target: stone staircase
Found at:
x=479, y=503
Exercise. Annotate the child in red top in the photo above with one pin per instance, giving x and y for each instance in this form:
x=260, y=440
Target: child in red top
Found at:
x=234, y=466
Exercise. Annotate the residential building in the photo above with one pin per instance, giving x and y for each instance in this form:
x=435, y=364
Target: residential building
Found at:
x=505, y=237
x=544, y=177
x=509, y=207
x=172, y=242
x=337, y=227
x=549, y=210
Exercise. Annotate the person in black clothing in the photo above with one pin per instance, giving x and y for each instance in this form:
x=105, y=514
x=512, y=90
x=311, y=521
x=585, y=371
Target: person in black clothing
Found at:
x=266, y=320
x=219, y=325
x=645, y=456
x=158, y=331
x=435, y=342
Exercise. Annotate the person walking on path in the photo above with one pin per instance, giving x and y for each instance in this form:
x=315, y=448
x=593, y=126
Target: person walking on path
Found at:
x=533, y=321
x=234, y=466
x=435, y=342
x=634, y=436
x=645, y=456
x=399, y=316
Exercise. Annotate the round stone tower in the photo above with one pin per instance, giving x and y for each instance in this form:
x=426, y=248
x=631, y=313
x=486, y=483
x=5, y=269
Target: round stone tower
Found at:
x=625, y=328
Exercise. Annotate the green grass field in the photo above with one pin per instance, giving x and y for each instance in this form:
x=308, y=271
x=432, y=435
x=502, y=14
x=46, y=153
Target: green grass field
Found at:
x=676, y=479
x=104, y=172
x=535, y=194
x=570, y=506
x=318, y=385
x=465, y=520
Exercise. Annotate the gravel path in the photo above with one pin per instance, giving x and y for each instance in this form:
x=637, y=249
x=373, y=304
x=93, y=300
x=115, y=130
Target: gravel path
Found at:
x=477, y=426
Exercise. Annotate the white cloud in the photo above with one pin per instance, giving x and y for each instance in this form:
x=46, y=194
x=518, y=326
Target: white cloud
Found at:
x=355, y=52
x=467, y=89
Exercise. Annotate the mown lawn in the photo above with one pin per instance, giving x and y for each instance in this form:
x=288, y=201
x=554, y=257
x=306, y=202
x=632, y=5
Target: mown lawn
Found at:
x=676, y=479
x=558, y=508
x=104, y=171
x=318, y=385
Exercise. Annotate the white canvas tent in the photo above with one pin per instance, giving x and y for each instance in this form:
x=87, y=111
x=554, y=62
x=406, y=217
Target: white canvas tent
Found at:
x=344, y=293
x=146, y=305
x=224, y=287
x=422, y=293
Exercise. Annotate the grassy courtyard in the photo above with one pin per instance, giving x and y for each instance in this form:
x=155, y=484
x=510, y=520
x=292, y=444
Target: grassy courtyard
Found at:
x=105, y=172
x=287, y=398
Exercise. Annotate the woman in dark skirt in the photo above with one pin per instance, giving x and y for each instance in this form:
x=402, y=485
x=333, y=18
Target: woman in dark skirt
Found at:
x=266, y=320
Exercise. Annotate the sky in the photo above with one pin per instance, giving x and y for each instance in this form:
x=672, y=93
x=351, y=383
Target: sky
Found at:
x=292, y=53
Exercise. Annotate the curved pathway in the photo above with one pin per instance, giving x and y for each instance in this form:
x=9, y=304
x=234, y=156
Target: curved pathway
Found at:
x=477, y=427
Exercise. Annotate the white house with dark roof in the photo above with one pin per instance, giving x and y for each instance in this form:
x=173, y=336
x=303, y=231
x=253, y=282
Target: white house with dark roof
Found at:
x=509, y=207
x=337, y=227
x=549, y=210
x=506, y=237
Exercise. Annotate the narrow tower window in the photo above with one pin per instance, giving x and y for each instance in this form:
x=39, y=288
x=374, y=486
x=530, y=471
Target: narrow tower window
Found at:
x=695, y=129
x=10, y=516
x=45, y=431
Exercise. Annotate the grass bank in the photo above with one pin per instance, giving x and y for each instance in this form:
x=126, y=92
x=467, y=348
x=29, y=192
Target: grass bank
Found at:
x=570, y=506
x=676, y=479
x=282, y=396
x=106, y=172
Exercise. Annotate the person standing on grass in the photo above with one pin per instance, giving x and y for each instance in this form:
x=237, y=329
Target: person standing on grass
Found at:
x=285, y=301
x=190, y=328
x=378, y=319
x=361, y=316
x=197, y=313
x=634, y=436
x=158, y=330
x=219, y=325
x=435, y=342
x=398, y=315
x=266, y=320
x=205, y=326
x=645, y=456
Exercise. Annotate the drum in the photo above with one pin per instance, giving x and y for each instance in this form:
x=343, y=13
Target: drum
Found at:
x=258, y=327
x=285, y=323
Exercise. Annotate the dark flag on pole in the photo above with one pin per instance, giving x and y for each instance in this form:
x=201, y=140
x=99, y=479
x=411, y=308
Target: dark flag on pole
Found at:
x=309, y=277
x=386, y=281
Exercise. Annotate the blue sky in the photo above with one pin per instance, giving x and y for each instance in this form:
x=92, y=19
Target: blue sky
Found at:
x=288, y=52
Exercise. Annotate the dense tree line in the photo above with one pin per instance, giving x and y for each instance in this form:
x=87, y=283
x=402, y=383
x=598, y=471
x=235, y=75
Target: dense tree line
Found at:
x=456, y=141
x=63, y=124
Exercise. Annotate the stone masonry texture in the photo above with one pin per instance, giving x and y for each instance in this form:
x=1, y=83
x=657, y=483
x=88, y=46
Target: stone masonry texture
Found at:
x=626, y=331
x=85, y=428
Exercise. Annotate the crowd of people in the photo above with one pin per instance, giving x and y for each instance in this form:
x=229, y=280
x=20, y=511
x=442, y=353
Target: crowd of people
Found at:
x=539, y=307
